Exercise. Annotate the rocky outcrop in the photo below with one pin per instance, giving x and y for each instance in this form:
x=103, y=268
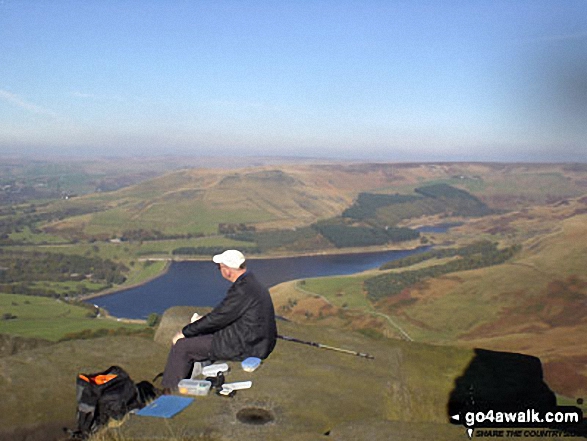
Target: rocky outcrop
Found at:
x=174, y=320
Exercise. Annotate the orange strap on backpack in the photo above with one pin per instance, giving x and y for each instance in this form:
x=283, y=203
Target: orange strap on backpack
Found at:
x=98, y=379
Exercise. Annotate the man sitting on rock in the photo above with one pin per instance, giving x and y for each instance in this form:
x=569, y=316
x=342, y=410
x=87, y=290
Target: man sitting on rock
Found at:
x=241, y=326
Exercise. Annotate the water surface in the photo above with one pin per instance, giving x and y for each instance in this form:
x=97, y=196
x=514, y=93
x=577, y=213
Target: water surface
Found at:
x=438, y=228
x=200, y=283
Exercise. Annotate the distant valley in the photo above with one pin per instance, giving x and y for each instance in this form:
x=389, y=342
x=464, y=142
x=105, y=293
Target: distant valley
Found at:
x=507, y=275
x=532, y=300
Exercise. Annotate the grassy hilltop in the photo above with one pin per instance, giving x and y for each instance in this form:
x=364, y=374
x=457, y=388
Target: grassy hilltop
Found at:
x=507, y=276
x=307, y=393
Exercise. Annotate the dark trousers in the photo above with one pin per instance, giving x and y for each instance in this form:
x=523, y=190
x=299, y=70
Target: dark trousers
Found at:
x=181, y=357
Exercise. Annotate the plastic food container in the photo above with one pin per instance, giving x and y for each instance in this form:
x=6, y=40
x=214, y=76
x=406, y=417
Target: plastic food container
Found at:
x=250, y=364
x=194, y=387
x=213, y=369
x=238, y=385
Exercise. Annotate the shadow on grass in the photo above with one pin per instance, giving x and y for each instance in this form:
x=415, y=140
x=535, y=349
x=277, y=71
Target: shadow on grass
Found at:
x=508, y=383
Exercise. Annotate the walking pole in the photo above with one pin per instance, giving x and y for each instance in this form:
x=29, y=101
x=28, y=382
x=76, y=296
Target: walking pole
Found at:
x=320, y=345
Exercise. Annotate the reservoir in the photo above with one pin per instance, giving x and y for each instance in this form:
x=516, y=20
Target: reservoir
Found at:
x=199, y=283
x=439, y=228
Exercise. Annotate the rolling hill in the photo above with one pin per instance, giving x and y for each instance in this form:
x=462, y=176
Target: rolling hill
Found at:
x=535, y=303
x=305, y=208
x=195, y=201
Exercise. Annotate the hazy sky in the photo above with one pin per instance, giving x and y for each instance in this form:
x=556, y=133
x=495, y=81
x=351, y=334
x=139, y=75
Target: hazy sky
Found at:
x=386, y=80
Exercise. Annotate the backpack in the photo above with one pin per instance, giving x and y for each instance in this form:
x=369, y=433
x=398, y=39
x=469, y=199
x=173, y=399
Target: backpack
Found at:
x=106, y=395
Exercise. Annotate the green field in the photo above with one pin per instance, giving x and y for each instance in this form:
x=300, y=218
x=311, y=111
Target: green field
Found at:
x=50, y=319
x=474, y=301
x=27, y=236
x=344, y=292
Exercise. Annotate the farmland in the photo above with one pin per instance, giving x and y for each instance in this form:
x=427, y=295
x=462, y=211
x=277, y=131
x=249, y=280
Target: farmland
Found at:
x=52, y=319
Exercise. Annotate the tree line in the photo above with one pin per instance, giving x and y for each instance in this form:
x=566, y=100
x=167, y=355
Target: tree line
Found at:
x=141, y=234
x=367, y=204
x=390, y=284
x=16, y=267
x=431, y=199
x=343, y=236
x=481, y=247
x=209, y=251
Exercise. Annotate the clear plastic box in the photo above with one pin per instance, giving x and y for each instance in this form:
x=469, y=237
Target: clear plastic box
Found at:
x=194, y=387
x=250, y=364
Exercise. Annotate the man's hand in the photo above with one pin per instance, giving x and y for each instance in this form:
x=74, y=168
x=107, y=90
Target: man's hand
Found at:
x=177, y=336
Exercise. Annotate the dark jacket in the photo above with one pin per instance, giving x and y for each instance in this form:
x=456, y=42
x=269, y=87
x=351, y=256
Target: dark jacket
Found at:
x=243, y=324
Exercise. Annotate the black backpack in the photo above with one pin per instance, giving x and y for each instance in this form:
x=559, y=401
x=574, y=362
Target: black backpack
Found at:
x=106, y=395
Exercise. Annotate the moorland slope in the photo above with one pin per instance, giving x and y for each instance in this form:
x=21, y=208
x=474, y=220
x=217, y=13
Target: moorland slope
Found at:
x=534, y=303
x=195, y=201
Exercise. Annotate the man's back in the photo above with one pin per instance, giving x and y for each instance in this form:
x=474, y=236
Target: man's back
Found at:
x=243, y=324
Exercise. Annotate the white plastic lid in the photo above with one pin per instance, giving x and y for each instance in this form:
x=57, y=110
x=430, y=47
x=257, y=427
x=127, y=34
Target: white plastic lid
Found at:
x=250, y=364
x=214, y=369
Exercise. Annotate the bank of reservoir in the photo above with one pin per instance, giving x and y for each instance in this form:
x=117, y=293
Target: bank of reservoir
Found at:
x=199, y=283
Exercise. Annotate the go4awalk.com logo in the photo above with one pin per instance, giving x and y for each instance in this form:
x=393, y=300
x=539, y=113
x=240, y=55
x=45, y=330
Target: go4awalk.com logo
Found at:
x=560, y=421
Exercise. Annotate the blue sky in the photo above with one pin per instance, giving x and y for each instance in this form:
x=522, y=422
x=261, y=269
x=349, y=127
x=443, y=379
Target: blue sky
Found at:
x=381, y=80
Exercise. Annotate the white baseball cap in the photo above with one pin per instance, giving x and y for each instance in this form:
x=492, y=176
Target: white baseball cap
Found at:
x=231, y=258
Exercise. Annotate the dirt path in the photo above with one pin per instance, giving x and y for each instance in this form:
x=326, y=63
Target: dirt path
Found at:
x=402, y=332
